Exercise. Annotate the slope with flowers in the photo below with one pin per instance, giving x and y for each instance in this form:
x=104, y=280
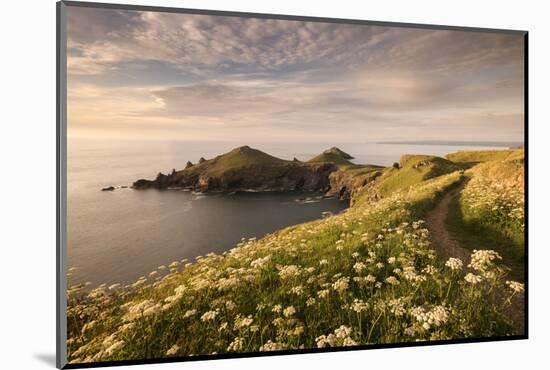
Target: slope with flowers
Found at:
x=490, y=208
x=365, y=276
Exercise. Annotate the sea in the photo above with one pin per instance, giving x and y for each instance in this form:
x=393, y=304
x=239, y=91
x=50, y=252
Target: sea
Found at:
x=118, y=236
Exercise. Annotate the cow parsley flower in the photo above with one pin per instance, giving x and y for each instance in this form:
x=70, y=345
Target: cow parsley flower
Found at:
x=272, y=346
x=392, y=280
x=189, y=313
x=242, y=322
x=209, y=316
x=359, y=306
x=483, y=260
x=515, y=286
x=323, y=293
x=340, y=337
x=289, y=311
x=454, y=264
x=341, y=285
x=359, y=267
x=236, y=345
x=473, y=279
x=173, y=350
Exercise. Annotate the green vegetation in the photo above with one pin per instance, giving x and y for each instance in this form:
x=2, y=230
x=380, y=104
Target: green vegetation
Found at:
x=485, y=155
x=490, y=210
x=413, y=170
x=238, y=158
x=333, y=155
x=331, y=158
x=365, y=276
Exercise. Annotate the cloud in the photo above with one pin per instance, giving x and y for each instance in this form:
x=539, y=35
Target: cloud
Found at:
x=195, y=73
x=99, y=39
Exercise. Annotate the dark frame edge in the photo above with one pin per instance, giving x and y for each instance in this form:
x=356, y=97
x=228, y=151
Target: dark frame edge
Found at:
x=229, y=356
x=526, y=177
x=61, y=158
x=61, y=143
x=227, y=13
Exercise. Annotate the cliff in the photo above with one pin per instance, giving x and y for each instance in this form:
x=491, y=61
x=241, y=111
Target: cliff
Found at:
x=245, y=168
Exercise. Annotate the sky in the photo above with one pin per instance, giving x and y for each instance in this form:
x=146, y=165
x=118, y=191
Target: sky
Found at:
x=151, y=75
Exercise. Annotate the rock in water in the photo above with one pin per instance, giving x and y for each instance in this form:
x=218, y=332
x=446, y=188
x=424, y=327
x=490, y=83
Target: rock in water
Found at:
x=108, y=188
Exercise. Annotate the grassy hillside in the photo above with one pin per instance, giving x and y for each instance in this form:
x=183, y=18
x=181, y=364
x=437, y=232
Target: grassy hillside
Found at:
x=331, y=158
x=237, y=158
x=413, y=169
x=485, y=155
x=333, y=155
x=368, y=275
x=490, y=209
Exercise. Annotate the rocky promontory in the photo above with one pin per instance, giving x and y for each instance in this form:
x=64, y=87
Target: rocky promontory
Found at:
x=248, y=169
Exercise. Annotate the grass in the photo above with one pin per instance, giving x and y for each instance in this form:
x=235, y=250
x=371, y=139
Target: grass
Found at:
x=485, y=155
x=265, y=165
x=365, y=276
x=330, y=158
x=472, y=235
x=413, y=170
x=490, y=211
x=240, y=157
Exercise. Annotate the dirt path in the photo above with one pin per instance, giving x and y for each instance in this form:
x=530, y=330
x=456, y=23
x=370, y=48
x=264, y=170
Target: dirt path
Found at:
x=447, y=246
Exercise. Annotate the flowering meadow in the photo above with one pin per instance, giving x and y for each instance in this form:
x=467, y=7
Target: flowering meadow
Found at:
x=368, y=275
x=494, y=198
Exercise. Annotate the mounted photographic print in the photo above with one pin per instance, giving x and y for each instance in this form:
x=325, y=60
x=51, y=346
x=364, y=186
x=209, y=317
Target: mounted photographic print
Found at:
x=235, y=184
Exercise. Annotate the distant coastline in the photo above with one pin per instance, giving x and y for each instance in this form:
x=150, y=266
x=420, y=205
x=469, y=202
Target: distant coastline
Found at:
x=504, y=144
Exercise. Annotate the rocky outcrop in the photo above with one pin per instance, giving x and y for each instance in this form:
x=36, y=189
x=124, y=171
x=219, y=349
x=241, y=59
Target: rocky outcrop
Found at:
x=345, y=183
x=246, y=169
x=288, y=177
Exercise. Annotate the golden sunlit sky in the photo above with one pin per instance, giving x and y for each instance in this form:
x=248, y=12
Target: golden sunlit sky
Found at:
x=151, y=75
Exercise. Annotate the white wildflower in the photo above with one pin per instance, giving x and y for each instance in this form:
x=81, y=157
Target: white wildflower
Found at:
x=359, y=267
x=515, y=286
x=473, y=279
x=454, y=264
x=289, y=311
x=209, y=315
x=341, y=285
x=392, y=280
x=173, y=350
x=236, y=345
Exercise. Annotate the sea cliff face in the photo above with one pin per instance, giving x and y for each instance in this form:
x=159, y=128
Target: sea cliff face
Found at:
x=245, y=168
x=248, y=169
x=261, y=177
x=345, y=182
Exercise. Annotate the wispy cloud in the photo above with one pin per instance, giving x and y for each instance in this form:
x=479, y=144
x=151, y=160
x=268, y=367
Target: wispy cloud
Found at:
x=198, y=76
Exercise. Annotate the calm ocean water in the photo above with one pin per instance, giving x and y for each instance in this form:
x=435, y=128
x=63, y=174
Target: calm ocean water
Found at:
x=121, y=235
